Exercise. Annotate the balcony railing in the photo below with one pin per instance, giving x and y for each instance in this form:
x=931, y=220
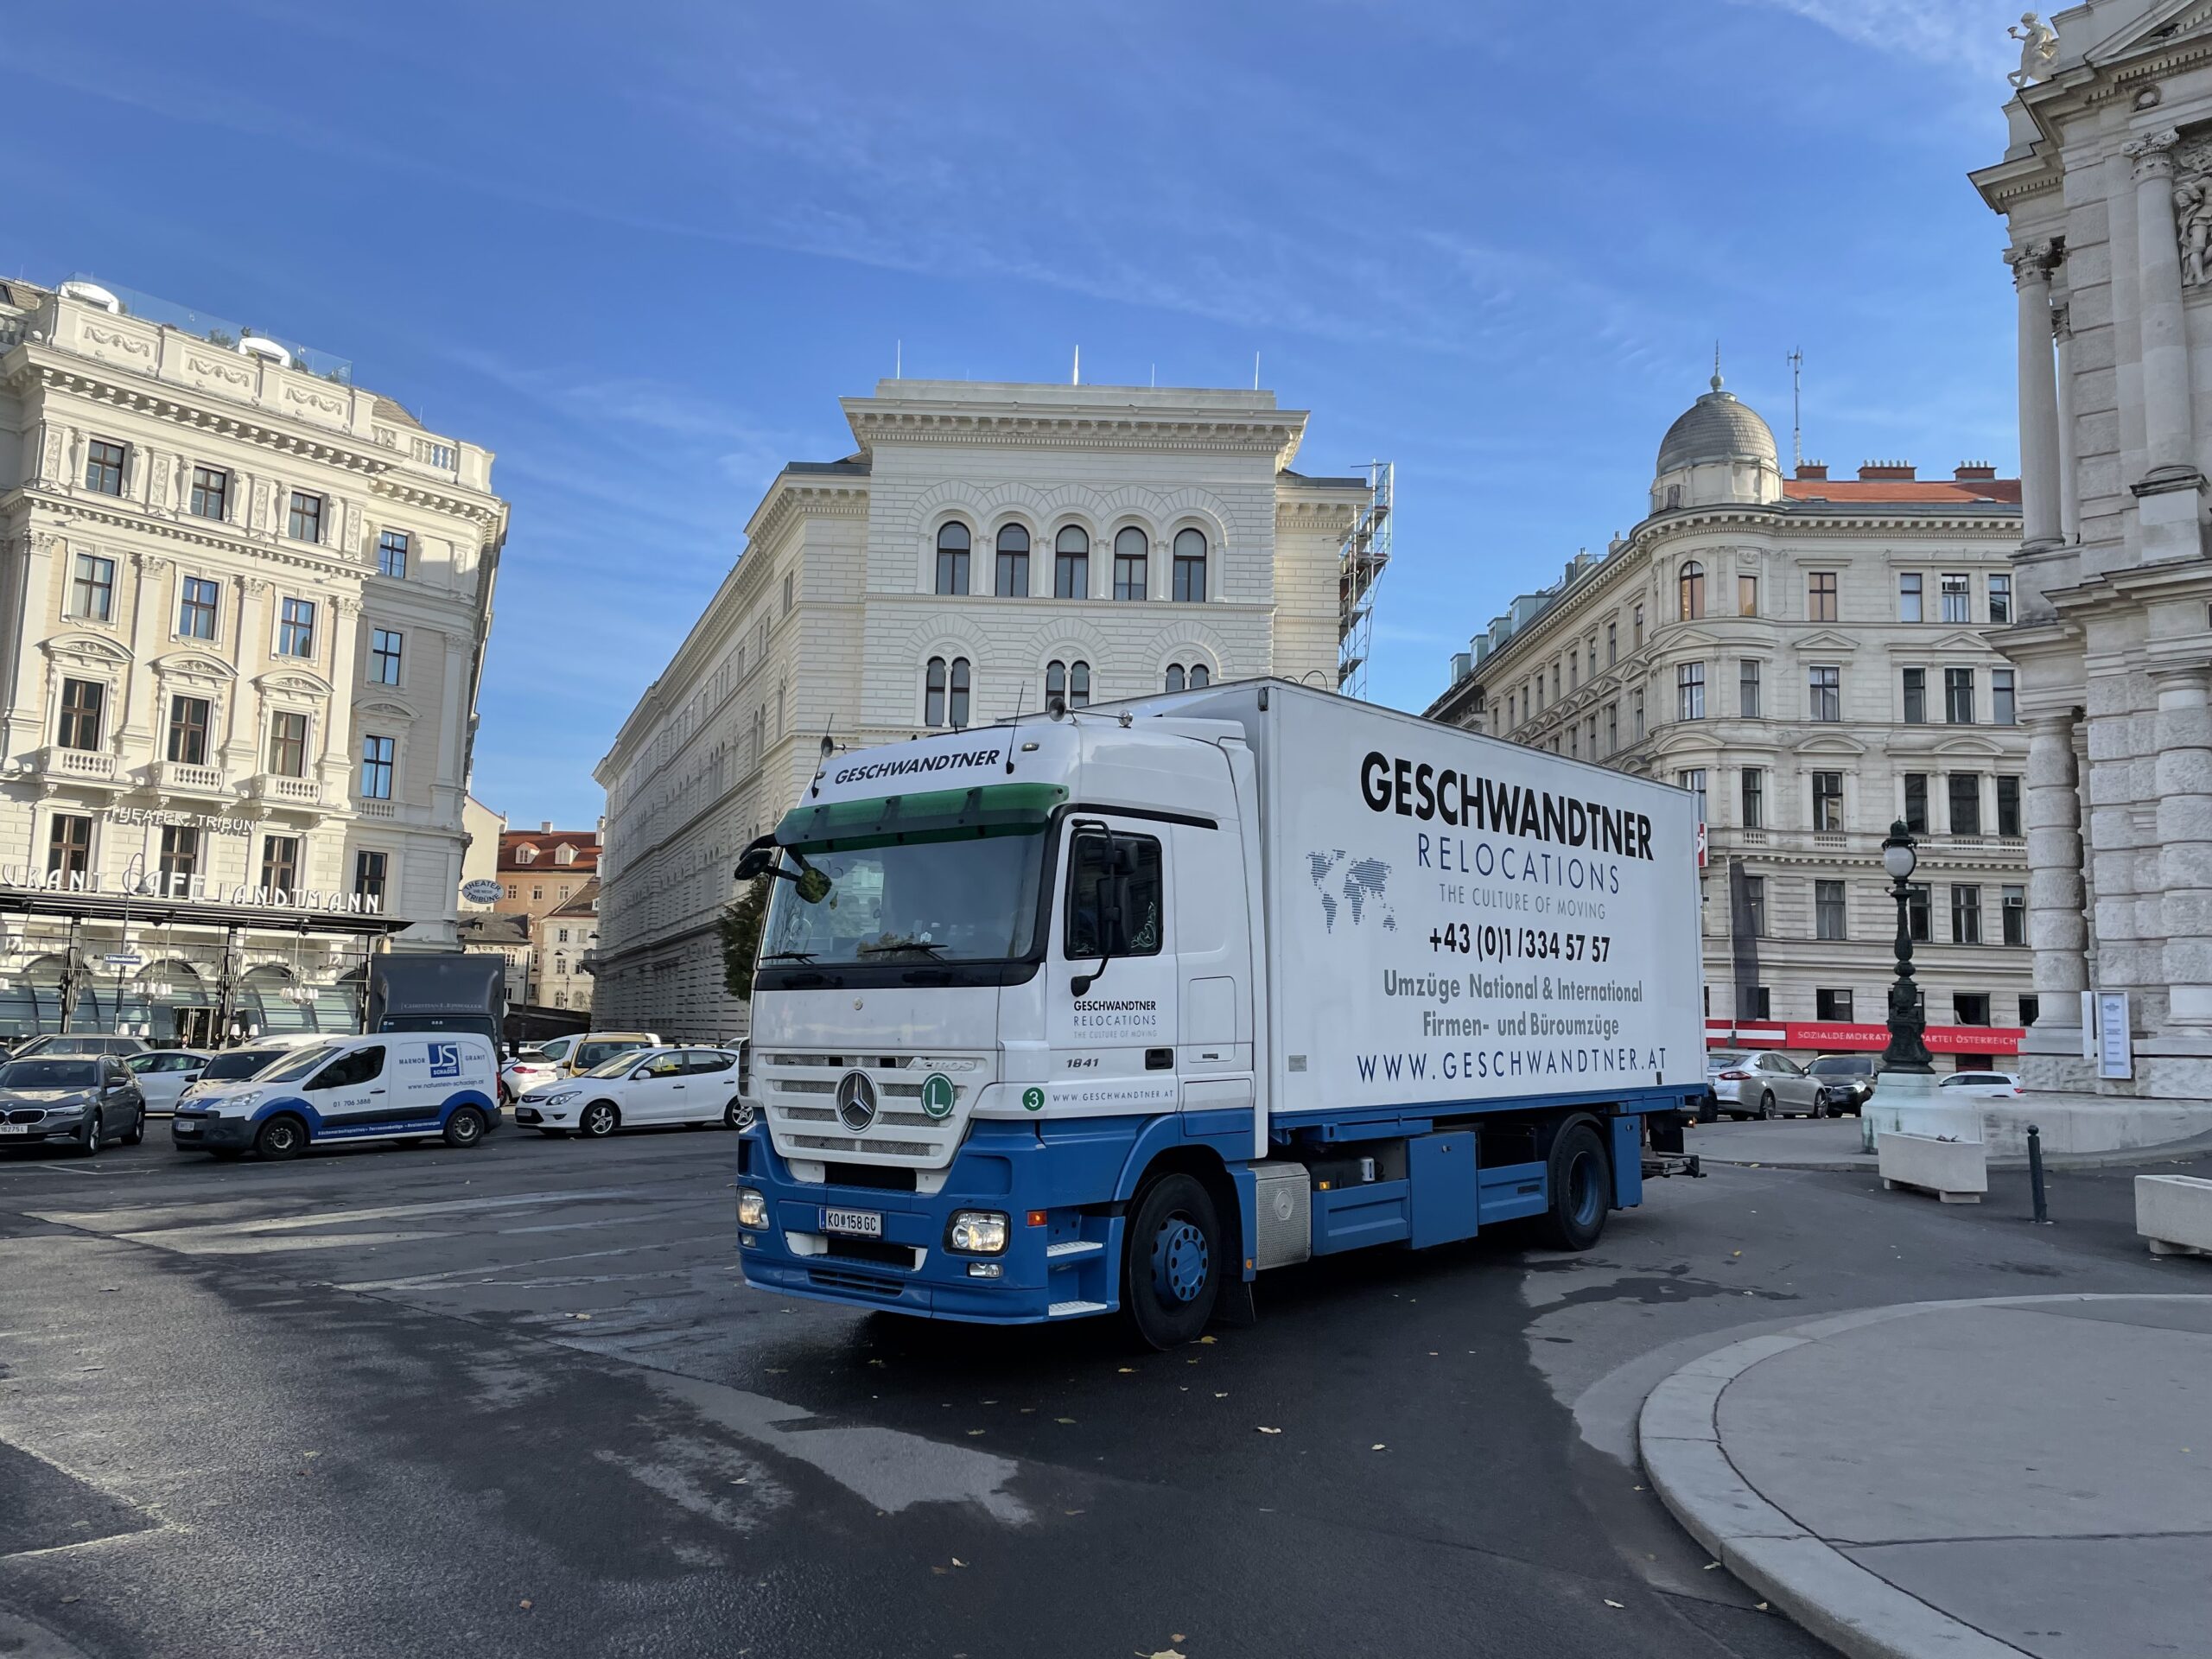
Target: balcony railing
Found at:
x=79, y=765
x=376, y=809
x=287, y=792
x=180, y=778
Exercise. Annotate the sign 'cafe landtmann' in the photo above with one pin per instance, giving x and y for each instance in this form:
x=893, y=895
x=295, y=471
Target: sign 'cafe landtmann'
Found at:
x=179, y=956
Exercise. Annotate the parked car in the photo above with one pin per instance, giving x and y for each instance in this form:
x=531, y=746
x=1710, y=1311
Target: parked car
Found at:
x=86, y=1100
x=80, y=1043
x=567, y=1056
x=232, y=1066
x=1847, y=1082
x=166, y=1073
x=659, y=1085
x=1762, y=1086
x=1980, y=1085
x=401, y=1085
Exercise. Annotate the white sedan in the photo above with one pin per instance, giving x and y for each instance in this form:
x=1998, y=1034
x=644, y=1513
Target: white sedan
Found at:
x=658, y=1085
x=1979, y=1085
x=165, y=1073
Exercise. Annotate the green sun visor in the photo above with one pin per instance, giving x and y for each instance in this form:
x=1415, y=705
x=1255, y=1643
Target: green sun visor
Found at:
x=930, y=815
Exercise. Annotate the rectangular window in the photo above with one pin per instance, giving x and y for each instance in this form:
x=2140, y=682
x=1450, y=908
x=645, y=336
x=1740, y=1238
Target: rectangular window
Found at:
x=197, y=605
x=2000, y=599
x=1613, y=726
x=1070, y=568
x=211, y=492
x=187, y=733
x=1116, y=897
x=392, y=553
x=1754, y=797
x=2004, y=710
x=287, y=743
x=384, y=657
x=2031, y=1009
x=1958, y=597
x=1958, y=697
x=296, y=634
x=1966, y=803
x=1693, y=781
x=307, y=517
x=180, y=858
x=1189, y=573
x=83, y=701
x=1689, y=691
x=280, y=862
x=1828, y=915
x=1755, y=905
x=1824, y=689
x=369, y=871
x=1747, y=690
x=1612, y=643
x=2016, y=915
x=1747, y=595
x=1965, y=915
x=1916, y=801
x=1970, y=1008
x=1129, y=575
x=377, y=756
x=1636, y=715
x=1820, y=596
x=1916, y=697
x=104, y=467
x=1827, y=802
x=2008, y=807
x=69, y=845
x=92, y=587
x=1909, y=597
x=1012, y=573
x=1757, y=1000
x=1915, y=912
x=1832, y=1006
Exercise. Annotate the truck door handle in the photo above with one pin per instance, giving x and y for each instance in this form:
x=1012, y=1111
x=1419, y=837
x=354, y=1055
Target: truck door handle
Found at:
x=1159, y=1059
x=376, y=1091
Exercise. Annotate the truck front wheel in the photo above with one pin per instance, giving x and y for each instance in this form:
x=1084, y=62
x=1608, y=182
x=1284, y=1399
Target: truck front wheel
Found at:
x=1170, y=1262
x=1580, y=1185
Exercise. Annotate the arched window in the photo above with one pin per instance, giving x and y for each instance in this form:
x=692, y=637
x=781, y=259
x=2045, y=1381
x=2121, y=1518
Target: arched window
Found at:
x=1691, y=584
x=1192, y=678
x=1056, y=681
x=1078, y=685
x=1200, y=675
x=1014, y=563
x=1072, y=563
x=1189, y=566
x=957, y=704
x=1130, y=548
x=1174, y=677
x=952, y=545
x=933, y=693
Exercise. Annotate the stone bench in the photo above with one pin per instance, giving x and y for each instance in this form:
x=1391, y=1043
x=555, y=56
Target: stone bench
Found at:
x=1957, y=1172
x=2174, y=1213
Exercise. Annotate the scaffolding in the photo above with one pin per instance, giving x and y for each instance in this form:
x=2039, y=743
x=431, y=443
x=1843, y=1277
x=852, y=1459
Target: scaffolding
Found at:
x=1366, y=550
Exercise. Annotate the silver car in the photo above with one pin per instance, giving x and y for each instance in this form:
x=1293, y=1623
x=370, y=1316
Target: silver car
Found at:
x=1762, y=1086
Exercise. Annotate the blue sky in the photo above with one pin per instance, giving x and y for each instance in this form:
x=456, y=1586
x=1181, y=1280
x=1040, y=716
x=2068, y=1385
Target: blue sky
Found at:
x=640, y=250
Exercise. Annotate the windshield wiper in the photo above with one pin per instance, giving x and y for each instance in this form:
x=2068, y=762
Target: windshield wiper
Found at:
x=922, y=945
x=789, y=955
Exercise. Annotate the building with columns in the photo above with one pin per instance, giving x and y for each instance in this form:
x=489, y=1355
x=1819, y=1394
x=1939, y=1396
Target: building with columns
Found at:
x=2106, y=189
x=1807, y=655
x=242, y=610
x=985, y=547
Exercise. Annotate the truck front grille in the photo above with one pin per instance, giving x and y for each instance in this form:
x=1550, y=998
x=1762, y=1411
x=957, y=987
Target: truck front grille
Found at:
x=799, y=1091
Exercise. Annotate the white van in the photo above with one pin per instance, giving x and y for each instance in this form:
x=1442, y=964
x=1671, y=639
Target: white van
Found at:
x=397, y=1085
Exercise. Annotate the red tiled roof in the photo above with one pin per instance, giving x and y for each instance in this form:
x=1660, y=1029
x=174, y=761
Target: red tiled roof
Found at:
x=1936, y=491
x=584, y=842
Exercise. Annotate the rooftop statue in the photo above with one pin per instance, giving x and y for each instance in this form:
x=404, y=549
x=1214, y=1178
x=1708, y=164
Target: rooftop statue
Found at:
x=2039, y=50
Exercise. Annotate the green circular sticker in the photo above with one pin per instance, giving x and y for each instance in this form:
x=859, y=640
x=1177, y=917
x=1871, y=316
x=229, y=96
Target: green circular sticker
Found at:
x=937, y=1094
x=1033, y=1099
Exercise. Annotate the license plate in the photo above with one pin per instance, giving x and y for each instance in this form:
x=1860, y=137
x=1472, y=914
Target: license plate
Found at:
x=15, y=1128
x=859, y=1223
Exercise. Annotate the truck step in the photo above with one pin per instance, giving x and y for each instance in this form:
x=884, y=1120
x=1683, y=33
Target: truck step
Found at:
x=1072, y=1248
x=1070, y=1310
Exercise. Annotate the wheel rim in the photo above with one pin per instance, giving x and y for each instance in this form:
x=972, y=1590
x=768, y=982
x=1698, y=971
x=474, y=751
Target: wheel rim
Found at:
x=92, y=1132
x=598, y=1120
x=280, y=1137
x=1179, y=1260
x=464, y=1126
x=738, y=1116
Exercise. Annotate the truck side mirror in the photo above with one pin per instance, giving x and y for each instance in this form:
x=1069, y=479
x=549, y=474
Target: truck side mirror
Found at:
x=753, y=863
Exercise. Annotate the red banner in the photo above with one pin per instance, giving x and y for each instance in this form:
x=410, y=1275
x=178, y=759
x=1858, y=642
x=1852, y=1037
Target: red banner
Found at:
x=1831, y=1038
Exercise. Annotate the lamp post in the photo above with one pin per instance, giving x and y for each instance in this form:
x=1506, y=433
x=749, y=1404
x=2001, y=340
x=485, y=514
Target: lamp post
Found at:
x=1907, y=1052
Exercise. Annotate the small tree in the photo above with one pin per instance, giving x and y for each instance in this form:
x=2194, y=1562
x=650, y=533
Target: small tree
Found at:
x=738, y=926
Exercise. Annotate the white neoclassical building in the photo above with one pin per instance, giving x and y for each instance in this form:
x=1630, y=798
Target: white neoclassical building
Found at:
x=1807, y=655
x=988, y=545
x=243, y=611
x=2106, y=188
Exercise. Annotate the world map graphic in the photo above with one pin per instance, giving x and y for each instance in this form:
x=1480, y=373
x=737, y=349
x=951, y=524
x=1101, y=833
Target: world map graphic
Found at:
x=1353, y=886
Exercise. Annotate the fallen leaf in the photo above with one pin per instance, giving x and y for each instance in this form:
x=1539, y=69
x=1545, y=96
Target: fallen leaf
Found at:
x=990, y=1402
x=1610, y=1602
x=956, y=1561
x=1029, y=1411
x=1378, y=1446
x=526, y=1601
x=1128, y=1369
x=66, y=1600
x=1071, y=1511
x=310, y=1454
x=1270, y=1431
x=1064, y=1419
x=1202, y=1340
x=1762, y=1606
x=1221, y=1397
x=942, y=1572
x=973, y=1433
x=1710, y=1566
x=1178, y=1636
x=579, y=1316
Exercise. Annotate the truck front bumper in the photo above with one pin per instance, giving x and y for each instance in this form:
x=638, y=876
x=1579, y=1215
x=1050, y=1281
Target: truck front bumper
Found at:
x=1064, y=1239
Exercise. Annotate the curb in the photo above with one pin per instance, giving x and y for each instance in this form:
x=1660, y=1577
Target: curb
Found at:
x=1853, y=1610
x=2109, y=1158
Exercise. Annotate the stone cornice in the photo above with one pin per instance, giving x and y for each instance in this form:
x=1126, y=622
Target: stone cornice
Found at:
x=1336, y=517
x=186, y=530
x=1275, y=433
x=789, y=497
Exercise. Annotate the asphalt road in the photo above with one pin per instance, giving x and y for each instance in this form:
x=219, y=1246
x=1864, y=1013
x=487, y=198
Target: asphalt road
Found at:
x=518, y=1401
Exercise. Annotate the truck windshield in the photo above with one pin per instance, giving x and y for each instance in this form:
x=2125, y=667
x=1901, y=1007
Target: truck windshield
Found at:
x=970, y=900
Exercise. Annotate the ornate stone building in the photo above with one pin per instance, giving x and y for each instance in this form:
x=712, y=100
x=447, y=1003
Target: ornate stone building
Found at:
x=1806, y=654
x=988, y=545
x=2106, y=188
x=242, y=609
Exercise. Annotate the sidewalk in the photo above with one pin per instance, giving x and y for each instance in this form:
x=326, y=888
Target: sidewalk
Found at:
x=1833, y=1143
x=1977, y=1480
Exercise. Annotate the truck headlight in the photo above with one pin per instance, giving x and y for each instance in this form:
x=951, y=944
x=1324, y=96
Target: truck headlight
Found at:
x=976, y=1232
x=752, y=1211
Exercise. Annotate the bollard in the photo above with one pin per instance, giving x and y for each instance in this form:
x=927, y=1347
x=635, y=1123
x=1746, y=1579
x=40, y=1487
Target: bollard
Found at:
x=2035, y=1174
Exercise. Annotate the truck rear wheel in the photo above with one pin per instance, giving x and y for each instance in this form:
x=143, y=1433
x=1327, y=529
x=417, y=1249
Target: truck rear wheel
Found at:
x=1172, y=1262
x=1580, y=1185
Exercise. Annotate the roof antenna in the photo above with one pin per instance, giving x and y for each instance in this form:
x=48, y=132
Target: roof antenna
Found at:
x=1716, y=366
x=1255, y=370
x=1076, y=379
x=1796, y=361
x=1014, y=725
x=897, y=360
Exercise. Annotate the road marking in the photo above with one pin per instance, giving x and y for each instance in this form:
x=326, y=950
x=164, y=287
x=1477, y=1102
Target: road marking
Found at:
x=424, y=1281
x=200, y=1239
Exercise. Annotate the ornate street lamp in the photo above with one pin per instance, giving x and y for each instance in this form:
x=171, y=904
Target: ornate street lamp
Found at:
x=1908, y=1050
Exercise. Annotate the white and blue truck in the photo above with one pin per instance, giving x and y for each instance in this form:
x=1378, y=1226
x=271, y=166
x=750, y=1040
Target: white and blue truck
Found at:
x=1116, y=1008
